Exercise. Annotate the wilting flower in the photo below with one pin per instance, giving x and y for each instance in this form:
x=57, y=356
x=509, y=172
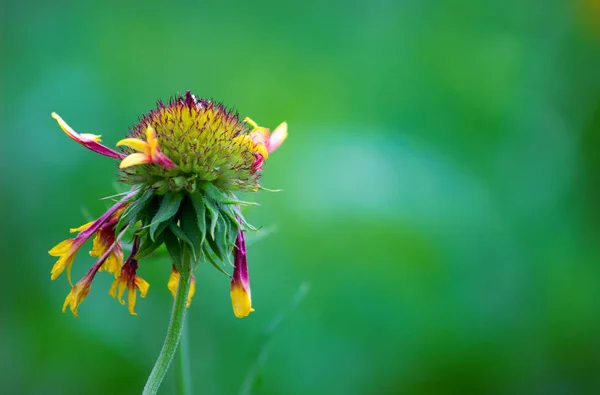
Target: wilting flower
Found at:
x=129, y=279
x=184, y=161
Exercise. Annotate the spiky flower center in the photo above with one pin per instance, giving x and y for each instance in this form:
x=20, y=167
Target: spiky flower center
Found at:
x=204, y=141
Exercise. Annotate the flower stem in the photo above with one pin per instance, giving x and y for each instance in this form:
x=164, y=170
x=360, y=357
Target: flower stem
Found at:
x=175, y=328
x=184, y=385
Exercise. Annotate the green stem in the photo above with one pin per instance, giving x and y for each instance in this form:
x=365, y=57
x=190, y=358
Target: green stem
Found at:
x=184, y=385
x=175, y=327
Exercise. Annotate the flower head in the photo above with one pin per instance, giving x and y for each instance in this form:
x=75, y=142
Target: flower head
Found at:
x=184, y=160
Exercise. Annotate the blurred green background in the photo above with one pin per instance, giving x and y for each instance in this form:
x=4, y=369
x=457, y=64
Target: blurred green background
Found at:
x=441, y=194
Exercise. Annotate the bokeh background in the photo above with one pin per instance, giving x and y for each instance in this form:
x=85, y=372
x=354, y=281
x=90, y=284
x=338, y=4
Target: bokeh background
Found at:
x=439, y=227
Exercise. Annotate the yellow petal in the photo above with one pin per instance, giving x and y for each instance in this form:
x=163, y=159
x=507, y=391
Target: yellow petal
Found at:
x=131, y=296
x=94, y=137
x=81, y=228
x=257, y=147
x=122, y=286
x=150, y=134
x=191, y=293
x=61, y=248
x=98, y=248
x=68, y=301
x=134, y=159
x=240, y=300
x=76, y=296
x=142, y=285
x=65, y=127
x=136, y=144
x=261, y=149
x=173, y=282
x=113, y=288
x=113, y=264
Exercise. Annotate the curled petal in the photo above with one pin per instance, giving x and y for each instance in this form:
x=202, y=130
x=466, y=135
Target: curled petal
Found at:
x=90, y=141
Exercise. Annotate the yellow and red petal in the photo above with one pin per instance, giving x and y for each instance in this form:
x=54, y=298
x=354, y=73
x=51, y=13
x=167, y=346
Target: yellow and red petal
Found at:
x=90, y=141
x=135, y=159
x=240, y=301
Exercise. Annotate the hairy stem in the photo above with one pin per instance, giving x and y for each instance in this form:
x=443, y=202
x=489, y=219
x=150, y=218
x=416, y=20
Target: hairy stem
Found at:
x=175, y=328
x=184, y=385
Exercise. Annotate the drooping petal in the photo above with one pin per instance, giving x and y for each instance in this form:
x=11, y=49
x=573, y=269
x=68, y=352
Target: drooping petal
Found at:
x=142, y=286
x=127, y=279
x=90, y=141
x=80, y=290
x=241, y=298
x=174, y=283
x=105, y=238
x=67, y=249
x=78, y=293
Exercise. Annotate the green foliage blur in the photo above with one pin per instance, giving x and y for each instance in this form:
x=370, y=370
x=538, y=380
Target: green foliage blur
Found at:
x=438, y=232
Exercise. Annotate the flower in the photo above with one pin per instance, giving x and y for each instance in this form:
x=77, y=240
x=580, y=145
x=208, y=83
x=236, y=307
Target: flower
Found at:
x=150, y=152
x=128, y=279
x=67, y=249
x=80, y=290
x=184, y=161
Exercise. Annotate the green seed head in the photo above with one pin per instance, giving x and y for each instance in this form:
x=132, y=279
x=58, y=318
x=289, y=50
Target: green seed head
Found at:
x=204, y=140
